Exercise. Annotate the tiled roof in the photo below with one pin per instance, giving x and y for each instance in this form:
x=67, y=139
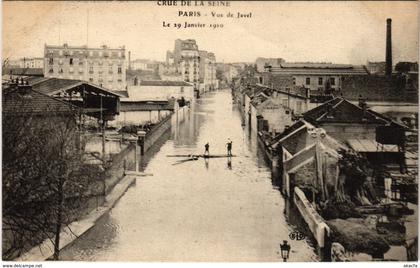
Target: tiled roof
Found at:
x=164, y=83
x=23, y=71
x=377, y=88
x=33, y=102
x=339, y=110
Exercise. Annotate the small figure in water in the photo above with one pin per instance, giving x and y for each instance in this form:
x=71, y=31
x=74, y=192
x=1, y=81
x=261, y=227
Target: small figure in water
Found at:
x=229, y=147
x=206, y=152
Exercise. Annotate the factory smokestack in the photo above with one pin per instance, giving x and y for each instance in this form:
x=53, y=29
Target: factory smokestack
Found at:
x=129, y=60
x=388, y=67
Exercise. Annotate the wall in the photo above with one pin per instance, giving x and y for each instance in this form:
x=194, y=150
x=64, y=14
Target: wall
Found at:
x=277, y=118
x=140, y=92
x=315, y=222
x=301, y=81
x=138, y=117
x=156, y=132
x=343, y=132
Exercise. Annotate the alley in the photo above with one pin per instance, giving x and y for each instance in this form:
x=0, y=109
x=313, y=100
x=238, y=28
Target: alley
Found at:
x=203, y=210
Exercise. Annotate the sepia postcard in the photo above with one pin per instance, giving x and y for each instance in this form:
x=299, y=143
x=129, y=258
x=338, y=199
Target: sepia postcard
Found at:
x=209, y=131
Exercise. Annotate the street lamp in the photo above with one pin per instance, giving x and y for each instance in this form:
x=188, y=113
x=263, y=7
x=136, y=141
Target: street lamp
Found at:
x=285, y=249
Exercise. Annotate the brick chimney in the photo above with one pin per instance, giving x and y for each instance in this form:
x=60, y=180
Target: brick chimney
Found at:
x=388, y=56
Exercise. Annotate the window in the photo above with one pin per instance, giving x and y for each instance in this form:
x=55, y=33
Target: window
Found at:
x=287, y=112
x=332, y=80
x=51, y=70
x=299, y=106
x=294, y=80
x=284, y=102
x=90, y=79
x=119, y=70
x=71, y=61
x=60, y=52
x=61, y=71
x=182, y=89
x=51, y=60
x=119, y=81
x=80, y=62
x=308, y=80
x=320, y=81
x=91, y=69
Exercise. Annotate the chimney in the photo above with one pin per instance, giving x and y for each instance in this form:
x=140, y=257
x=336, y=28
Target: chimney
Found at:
x=388, y=57
x=129, y=60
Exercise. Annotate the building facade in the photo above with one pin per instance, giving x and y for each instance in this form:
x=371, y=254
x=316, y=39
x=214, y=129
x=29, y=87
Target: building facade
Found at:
x=318, y=77
x=102, y=66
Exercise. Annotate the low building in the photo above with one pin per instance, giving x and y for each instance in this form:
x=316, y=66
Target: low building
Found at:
x=143, y=112
x=298, y=149
x=344, y=120
x=161, y=90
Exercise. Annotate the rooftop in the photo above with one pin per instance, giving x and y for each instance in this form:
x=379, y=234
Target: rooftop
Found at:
x=160, y=83
x=15, y=102
x=23, y=71
x=339, y=110
x=318, y=69
x=379, y=88
x=147, y=105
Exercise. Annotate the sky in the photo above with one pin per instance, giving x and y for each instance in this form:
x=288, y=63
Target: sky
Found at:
x=322, y=31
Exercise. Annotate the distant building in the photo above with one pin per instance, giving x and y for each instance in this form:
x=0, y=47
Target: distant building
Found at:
x=230, y=72
x=262, y=63
x=145, y=65
x=207, y=72
x=102, y=66
x=26, y=63
x=318, y=77
x=376, y=67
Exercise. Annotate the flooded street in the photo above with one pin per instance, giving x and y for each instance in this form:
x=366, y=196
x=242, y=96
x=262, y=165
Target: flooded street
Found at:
x=203, y=210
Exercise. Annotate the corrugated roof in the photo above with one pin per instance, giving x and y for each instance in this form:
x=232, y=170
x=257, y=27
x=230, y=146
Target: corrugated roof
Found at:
x=50, y=86
x=164, y=83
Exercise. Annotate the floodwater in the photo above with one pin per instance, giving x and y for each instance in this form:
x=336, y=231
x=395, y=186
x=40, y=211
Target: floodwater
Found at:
x=216, y=210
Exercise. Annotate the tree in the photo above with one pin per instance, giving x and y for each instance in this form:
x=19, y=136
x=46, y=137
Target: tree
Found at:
x=45, y=179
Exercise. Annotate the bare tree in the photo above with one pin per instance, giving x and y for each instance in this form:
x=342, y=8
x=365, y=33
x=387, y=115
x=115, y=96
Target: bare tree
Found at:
x=45, y=180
